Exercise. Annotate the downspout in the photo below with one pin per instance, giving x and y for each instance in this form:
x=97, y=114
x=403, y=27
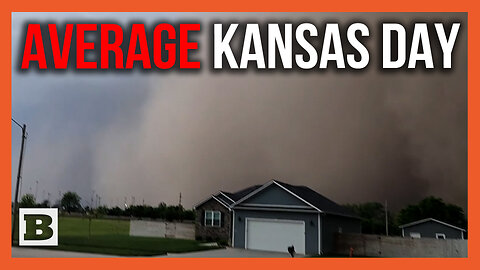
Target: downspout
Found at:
x=232, y=231
x=319, y=235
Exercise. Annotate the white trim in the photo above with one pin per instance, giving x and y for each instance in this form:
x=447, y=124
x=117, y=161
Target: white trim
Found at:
x=415, y=235
x=319, y=236
x=213, y=219
x=276, y=205
x=202, y=202
x=277, y=209
x=207, y=199
x=221, y=203
x=462, y=235
x=233, y=228
x=284, y=188
x=213, y=197
x=440, y=234
x=253, y=192
x=429, y=219
x=245, y=234
x=205, y=217
x=226, y=196
x=277, y=220
x=298, y=197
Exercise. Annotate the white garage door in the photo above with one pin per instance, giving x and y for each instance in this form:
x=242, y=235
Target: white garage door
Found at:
x=275, y=235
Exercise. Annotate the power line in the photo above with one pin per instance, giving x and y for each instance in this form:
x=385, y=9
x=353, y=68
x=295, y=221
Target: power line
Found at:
x=14, y=121
x=19, y=176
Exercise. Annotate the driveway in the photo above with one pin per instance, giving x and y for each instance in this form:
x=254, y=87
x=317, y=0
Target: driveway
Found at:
x=21, y=252
x=215, y=253
x=231, y=253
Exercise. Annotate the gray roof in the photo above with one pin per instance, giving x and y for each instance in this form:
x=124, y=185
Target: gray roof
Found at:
x=241, y=193
x=227, y=198
x=319, y=201
x=224, y=199
x=311, y=197
x=428, y=220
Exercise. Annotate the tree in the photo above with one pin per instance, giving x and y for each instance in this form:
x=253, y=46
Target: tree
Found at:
x=71, y=202
x=188, y=215
x=102, y=210
x=432, y=207
x=372, y=215
x=116, y=211
x=44, y=204
x=27, y=201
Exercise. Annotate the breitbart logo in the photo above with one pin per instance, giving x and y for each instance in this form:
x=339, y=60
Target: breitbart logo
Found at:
x=38, y=227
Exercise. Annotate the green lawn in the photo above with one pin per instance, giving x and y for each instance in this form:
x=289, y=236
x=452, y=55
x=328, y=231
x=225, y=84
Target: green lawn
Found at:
x=77, y=226
x=112, y=237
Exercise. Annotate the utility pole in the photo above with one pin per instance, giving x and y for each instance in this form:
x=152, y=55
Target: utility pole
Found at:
x=386, y=217
x=36, y=190
x=91, y=201
x=180, y=199
x=19, y=176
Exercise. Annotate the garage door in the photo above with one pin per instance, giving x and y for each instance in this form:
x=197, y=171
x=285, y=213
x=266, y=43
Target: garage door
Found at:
x=275, y=235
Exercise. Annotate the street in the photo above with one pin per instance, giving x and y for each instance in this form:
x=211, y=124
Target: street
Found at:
x=18, y=252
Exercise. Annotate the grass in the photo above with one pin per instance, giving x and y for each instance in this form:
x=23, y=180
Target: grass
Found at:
x=111, y=237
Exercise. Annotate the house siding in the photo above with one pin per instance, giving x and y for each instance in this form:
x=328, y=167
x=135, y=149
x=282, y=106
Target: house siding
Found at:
x=274, y=195
x=333, y=224
x=430, y=228
x=274, y=202
x=310, y=219
x=205, y=233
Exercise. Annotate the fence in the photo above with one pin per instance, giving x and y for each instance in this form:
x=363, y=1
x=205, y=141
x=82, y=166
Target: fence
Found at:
x=162, y=229
x=381, y=246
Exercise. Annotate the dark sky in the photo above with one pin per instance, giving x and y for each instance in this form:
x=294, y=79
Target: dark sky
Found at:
x=351, y=136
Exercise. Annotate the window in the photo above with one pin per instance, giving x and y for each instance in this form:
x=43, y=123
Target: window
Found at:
x=440, y=236
x=213, y=218
x=415, y=235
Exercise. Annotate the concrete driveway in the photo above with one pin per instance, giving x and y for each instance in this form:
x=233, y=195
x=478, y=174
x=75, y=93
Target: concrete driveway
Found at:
x=231, y=253
x=216, y=253
x=21, y=252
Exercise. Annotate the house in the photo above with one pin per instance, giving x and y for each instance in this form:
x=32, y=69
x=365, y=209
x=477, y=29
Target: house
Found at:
x=213, y=219
x=273, y=217
x=432, y=228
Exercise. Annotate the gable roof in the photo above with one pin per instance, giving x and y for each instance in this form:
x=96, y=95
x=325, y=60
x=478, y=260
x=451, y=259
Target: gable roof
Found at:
x=216, y=198
x=308, y=196
x=223, y=198
x=227, y=199
x=427, y=220
x=241, y=193
x=319, y=201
